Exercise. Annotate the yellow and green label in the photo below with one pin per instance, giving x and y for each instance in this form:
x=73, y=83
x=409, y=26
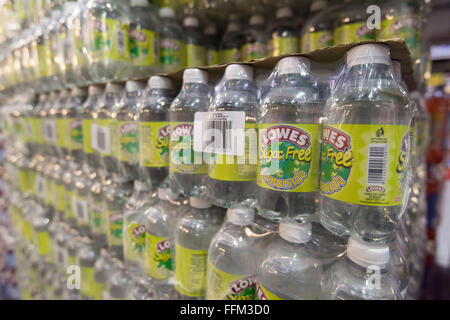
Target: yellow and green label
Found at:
x=44, y=243
x=251, y=51
x=317, y=40
x=190, y=271
x=90, y=289
x=98, y=218
x=154, y=140
x=284, y=45
x=43, y=53
x=75, y=127
x=110, y=39
x=128, y=138
x=69, y=194
x=225, y=286
x=87, y=135
x=134, y=242
x=195, y=55
x=172, y=53
x=288, y=157
x=353, y=32
x=230, y=55
x=212, y=57
x=364, y=164
x=144, y=49
x=158, y=256
x=49, y=192
x=62, y=133
x=407, y=27
x=183, y=158
x=59, y=201
x=263, y=294
x=115, y=225
x=236, y=168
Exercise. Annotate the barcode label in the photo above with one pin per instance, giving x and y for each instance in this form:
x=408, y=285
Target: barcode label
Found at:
x=82, y=211
x=61, y=256
x=376, y=168
x=40, y=187
x=221, y=132
x=49, y=131
x=121, y=41
x=101, y=139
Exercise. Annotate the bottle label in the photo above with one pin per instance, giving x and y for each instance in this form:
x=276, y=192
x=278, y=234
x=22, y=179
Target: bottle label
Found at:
x=59, y=198
x=230, y=55
x=90, y=289
x=172, y=53
x=43, y=52
x=99, y=223
x=144, y=49
x=154, y=140
x=49, y=191
x=407, y=27
x=195, y=55
x=364, y=164
x=353, y=32
x=79, y=43
x=62, y=133
x=288, y=157
x=135, y=241
x=212, y=57
x=75, y=134
x=226, y=286
x=128, y=136
x=286, y=45
x=68, y=203
x=115, y=225
x=158, y=256
x=263, y=294
x=44, y=243
x=251, y=51
x=190, y=271
x=317, y=40
x=183, y=158
x=237, y=168
x=87, y=135
x=110, y=39
x=103, y=137
x=80, y=206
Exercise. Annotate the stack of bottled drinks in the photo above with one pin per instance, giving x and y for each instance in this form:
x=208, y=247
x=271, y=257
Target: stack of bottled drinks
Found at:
x=301, y=182
x=55, y=44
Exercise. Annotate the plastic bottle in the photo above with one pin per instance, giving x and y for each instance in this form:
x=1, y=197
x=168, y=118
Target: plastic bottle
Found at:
x=154, y=130
x=255, y=46
x=172, y=51
x=103, y=268
x=119, y=283
x=365, y=137
x=211, y=45
x=284, y=37
x=144, y=39
x=364, y=274
x=187, y=170
x=74, y=126
x=98, y=219
x=231, y=267
x=141, y=290
x=232, y=41
x=194, y=43
x=318, y=30
x=289, y=122
x=88, y=256
x=290, y=269
x=80, y=201
x=193, y=235
x=236, y=99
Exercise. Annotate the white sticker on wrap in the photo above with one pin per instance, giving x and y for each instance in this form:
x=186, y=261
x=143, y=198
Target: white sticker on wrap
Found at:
x=220, y=132
x=101, y=139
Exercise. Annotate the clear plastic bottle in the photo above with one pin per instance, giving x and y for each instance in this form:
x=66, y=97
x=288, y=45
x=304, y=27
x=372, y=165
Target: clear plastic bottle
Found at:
x=87, y=258
x=187, y=170
x=232, y=41
x=231, y=266
x=318, y=30
x=284, y=36
x=364, y=274
x=290, y=267
x=172, y=52
x=98, y=219
x=141, y=290
x=256, y=39
x=103, y=268
x=365, y=146
x=80, y=200
x=289, y=123
x=119, y=282
x=144, y=39
x=154, y=130
x=194, y=42
x=74, y=129
x=211, y=45
x=227, y=182
x=193, y=236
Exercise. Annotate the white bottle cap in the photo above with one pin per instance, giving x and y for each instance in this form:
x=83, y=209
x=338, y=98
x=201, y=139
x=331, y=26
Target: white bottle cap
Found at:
x=133, y=85
x=240, y=215
x=318, y=5
x=139, y=3
x=295, y=232
x=166, y=12
x=199, y=203
x=211, y=30
x=113, y=87
x=190, y=22
x=397, y=67
x=239, y=71
x=256, y=19
x=194, y=75
x=293, y=65
x=285, y=12
x=367, y=254
x=157, y=82
x=95, y=89
x=368, y=53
